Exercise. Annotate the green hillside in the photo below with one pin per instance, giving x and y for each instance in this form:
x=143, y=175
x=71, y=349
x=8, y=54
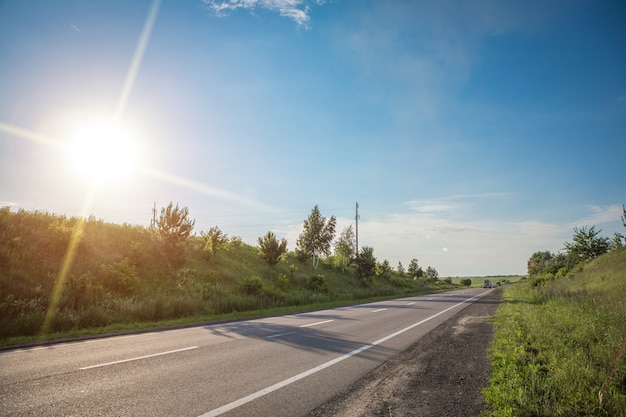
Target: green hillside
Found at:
x=66, y=276
x=559, y=348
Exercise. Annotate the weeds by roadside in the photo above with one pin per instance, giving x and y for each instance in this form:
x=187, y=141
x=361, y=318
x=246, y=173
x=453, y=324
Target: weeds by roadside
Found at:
x=557, y=346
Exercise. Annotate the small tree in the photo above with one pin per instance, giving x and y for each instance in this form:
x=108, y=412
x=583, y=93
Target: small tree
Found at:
x=344, y=248
x=383, y=269
x=617, y=241
x=318, y=233
x=271, y=249
x=431, y=274
x=400, y=269
x=414, y=269
x=173, y=229
x=214, y=240
x=587, y=244
x=366, y=264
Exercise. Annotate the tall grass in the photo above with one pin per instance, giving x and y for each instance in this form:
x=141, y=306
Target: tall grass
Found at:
x=559, y=347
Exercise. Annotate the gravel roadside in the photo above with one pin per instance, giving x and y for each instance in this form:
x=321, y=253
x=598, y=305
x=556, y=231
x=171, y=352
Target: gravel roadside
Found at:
x=441, y=374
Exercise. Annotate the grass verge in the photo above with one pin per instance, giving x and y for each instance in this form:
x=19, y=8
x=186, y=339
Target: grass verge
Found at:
x=558, y=348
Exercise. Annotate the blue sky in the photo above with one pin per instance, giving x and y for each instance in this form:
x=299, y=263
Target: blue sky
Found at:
x=471, y=134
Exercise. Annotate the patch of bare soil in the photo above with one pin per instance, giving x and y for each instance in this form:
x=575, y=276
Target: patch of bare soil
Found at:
x=442, y=374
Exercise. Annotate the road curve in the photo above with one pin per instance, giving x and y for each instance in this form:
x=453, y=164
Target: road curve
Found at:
x=278, y=366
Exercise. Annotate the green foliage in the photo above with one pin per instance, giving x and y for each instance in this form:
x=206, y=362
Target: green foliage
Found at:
x=317, y=235
x=557, y=346
x=366, y=264
x=120, y=278
x=432, y=274
x=587, y=244
x=271, y=249
x=317, y=283
x=215, y=240
x=345, y=247
x=383, y=269
x=252, y=286
x=173, y=229
x=414, y=270
x=466, y=282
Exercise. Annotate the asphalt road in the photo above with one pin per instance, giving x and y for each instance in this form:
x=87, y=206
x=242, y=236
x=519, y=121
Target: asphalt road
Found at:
x=279, y=366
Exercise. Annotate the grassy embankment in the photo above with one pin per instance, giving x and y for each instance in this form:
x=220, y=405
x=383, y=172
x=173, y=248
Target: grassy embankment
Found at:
x=119, y=278
x=559, y=346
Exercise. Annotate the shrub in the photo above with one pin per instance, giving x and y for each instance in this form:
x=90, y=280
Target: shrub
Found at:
x=252, y=286
x=317, y=283
x=466, y=282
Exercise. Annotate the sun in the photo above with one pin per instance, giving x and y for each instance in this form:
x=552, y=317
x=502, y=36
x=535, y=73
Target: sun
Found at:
x=102, y=152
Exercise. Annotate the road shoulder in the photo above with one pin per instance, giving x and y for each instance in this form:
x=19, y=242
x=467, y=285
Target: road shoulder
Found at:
x=440, y=374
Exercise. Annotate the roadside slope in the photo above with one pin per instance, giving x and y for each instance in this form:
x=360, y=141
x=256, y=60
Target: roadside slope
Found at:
x=441, y=374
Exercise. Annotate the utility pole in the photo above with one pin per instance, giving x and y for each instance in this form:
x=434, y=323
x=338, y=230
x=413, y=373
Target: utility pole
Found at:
x=357, y=230
x=154, y=218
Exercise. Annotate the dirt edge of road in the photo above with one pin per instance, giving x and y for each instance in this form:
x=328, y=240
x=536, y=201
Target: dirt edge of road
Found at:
x=441, y=374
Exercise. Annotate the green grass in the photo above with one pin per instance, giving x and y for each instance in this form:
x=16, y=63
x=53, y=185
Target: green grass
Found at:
x=557, y=349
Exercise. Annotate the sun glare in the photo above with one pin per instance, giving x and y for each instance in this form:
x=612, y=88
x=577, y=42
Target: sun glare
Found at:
x=102, y=153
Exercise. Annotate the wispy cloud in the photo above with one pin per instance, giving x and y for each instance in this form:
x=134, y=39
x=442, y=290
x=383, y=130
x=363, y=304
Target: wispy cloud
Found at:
x=296, y=10
x=598, y=215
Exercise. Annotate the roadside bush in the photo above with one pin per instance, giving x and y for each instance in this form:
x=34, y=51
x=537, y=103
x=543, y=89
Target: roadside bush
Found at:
x=466, y=282
x=252, y=286
x=317, y=283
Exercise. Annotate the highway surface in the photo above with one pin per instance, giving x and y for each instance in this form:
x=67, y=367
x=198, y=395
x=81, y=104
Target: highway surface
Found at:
x=278, y=366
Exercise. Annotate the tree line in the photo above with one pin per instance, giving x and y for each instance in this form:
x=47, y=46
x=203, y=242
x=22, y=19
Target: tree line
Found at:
x=316, y=243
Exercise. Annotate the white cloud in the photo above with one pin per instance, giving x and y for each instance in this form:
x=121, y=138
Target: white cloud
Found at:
x=598, y=215
x=296, y=10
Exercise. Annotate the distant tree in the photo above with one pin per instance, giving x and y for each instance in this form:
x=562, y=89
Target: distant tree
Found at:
x=400, y=269
x=624, y=215
x=318, y=234
x=587, y=244
x=383, y=269
x=344, y=248
x=414, y=269
x=617, y=241
x=432, y=274
x=466, y=282
x=366, y=264
x=173, y=228
x=271, y=249
x=214, y=240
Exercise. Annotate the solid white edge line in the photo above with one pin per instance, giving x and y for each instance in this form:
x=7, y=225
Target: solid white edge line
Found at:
x=237, y=403
x=380, y=309
x=138, y=358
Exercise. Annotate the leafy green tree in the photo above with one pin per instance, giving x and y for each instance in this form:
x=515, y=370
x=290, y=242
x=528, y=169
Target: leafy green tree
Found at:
x=344, y=248
x=214, y=240
x=414, y=269
x=383, y=269
x=587, y=244
x=173, y=229
x=466, y=282
x=318, y=234
x=366, y=264
x=432, y=274
x=271, y=249
x=400, y=269
x=617, y=241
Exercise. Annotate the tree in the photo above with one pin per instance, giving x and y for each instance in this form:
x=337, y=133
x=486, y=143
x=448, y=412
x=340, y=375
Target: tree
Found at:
x=432, y=274
x=214, y=240
x=587, y=244
x=366, y=263
x=344, y=247
x=271, y=249
x=383, y=269
x=318, y=233
x=617, y=241
x=400, y=268
x=414, y=269
x=624, y=216
x=173, y=228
